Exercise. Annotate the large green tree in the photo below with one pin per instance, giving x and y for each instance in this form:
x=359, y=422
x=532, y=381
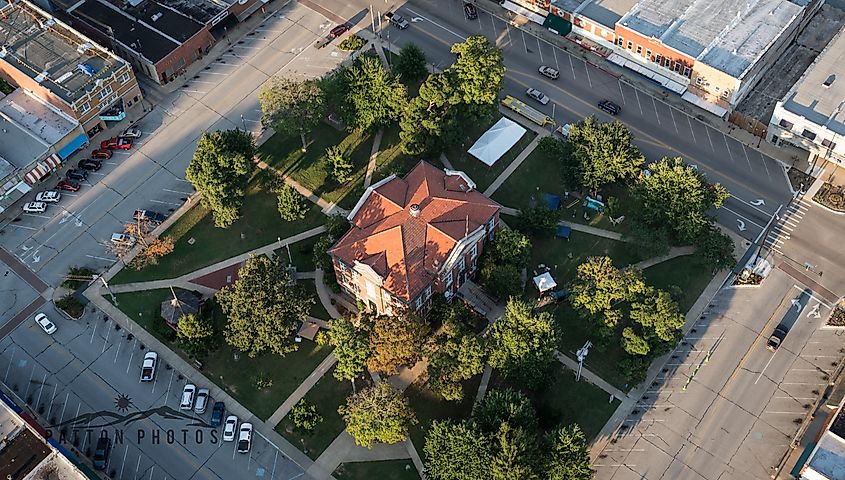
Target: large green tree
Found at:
x=341, y=165
x=431, y=121
x=378, y=414
x=351, y=344
x=374, y=96
x=262, y=308
x=501, y=280
x=512, y=247
x=569, y=458
x=504, y=406
x=522, y=343
x=194, y=333
x=292, y=106
x=679, y=196
x=396, y=340
x=659, y=317
x=453, y=358
x=603, y=152
x=716, y=248
x=479, y=71
x=456, y=451
x=600, y=287
x=514, y=454
x=220, y=170
x=290, y=203
x=410, y=66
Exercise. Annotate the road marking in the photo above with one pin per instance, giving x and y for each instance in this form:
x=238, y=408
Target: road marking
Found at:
x=689, y=122
x=273, y=473
x=119, y=345
x=194, y=91
x=166, y=203
x=41, y=390
x=100, y=258
x=37, y=216
x=642, y=114
x=138, y=466
x=203, y=81
x=22, y=226
x=707, y=131
x=52, y=399
x=587, y=70
x=755, y=207
x=64, y=406
x=539, y=50
x=417, y=14
x=94, y=331
x=746, y=156
x=572, y=66
x=621, y=92
x=767, y=365
x=655, y=110
x=741, y=216
x=725, y=137
x=167, y=393
x=673, y=120
x=554, y=53
x=177, y=191
x=131, y=354
x=106, y=341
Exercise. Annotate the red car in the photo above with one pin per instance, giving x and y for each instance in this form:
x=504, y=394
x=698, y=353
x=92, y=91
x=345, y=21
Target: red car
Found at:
x=338, y=31
x=101, y=153
x=68, y=185
x=117, y=143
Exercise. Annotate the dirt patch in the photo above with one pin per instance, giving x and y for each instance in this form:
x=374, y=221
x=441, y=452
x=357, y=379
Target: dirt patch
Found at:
x=799, y=180
x=831, y=196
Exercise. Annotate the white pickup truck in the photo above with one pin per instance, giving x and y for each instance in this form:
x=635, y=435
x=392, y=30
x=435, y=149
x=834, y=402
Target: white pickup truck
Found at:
x=397, y=20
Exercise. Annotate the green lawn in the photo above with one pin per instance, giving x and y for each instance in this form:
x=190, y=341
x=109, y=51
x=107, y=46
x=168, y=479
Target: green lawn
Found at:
x=383, y=470
x=259, y=225
x=563, y=401
x=311, y=168
x=689, y=273
x=302, y=254
x=477, y=170
x=430, y=406
x=390, y=159
x=145, y=309
x=317, y=310
x=328, y=394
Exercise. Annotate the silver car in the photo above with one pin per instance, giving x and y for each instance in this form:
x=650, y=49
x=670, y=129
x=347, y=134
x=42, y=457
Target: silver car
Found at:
x=49, y=196
x=537, y=95
x=550, y=72
x=35, y=207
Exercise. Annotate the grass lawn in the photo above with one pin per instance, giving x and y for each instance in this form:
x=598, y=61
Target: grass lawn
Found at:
x=259, y=225
x=564, y=401
x=689, y=273
x=317, y=310
x=390, y=159
x=328, y=394
x=311, y=169
x=383, y=470
x=302, y=254
x=145, y=309
x=430, y=406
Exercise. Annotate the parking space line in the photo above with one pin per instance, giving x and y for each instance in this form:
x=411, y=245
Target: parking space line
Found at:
x=707, y=131
x=621, y=92
x=572, y=66
x=119, y=345
x=177, y=191
x=94, y=331
x=22, y=226
x=689, y=122
x=138, y=465
x=131, y=354
x=764, y=164
x=642, y=114
x=728, y=147
x=741, y=216
x=62, y=416
x=39, y=216
x=169, y=382
x=744, y=151
x=539, y=50
x=657, y=115
x=52, y=399
x=41, y=390
x=106, y=341
x=100, y=258
x=11, y=360
x=194, y=91
x=673, y=120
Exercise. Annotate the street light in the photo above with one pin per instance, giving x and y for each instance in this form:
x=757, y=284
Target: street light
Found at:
x=243, y=122
x=582, y=354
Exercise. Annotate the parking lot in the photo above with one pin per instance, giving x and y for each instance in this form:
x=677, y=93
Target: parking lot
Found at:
x=61, y=376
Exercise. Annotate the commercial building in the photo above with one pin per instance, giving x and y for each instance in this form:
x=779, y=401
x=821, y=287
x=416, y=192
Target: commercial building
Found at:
x=810, y=116
x=160, y=37
x=827, y=459
x=412, y=237
x=35, y=138
x=64, y=68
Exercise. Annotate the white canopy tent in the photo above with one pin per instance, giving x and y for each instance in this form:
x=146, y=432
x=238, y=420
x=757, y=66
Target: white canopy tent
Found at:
x=497, y=141
x=544, y=282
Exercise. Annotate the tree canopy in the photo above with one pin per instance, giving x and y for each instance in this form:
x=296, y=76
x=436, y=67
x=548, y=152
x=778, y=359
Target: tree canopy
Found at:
x=262, y=309
x=716, y=248
x=512, y=247
x=290, y=203
x=194, y=333
x=378, y=414
x=220, y=170
x=395, y=340
x=455, y=451
x=351, y=347
x=452, y=358
x=342, y=166
x=569, y=458
x=374, y=96
x=291, y=106
x=410, y=66
x=599, y=287
x=479, y=70
x=431, y=121
x=521, y=344
x=504, y=406
x=603, y=153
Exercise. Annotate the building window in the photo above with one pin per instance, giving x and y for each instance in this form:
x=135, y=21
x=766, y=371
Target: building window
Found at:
x=449, y=278
x=648, y=54
x=461, y=265
x=620, y=41
x=474, y=252
x=658, y=59
x=725, y=93
x=686, y=71
x=677, y=68
x=419, y=302
x=427, y=293
x=808, y=134
x=717, y=89
x=828, y=144
x=124, y=78
x=492, y=227
x=698, y=81
x=630, y=45
x=105, y=92
x=785, y=124
x=84, y=108
x=639, y=50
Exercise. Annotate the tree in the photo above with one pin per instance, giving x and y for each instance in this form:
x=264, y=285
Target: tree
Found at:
x=152, y=247
x=378, y=414
x=305, y=417
x=291, y=106
x=194, y=334
x=322, y=259
x=262, y=309
x=716, y=248
x=561, y=151
x=522, y=343
x=341, y=165
x=336, y=226
x=453, y=358
x=479, y=71
x=537, y=220
x=410, y=66
x=504, y=406
x=455, y=451
x=374, y=96
x=431, y=121
x=502, y=281
x=511, y=247
x=678, y=196
x=291, y=204
x=220, y=170
x=650, y=240
x=569, y=458
x=599, y=287
x=351, y=347
x=659, y=316
x=514, y=454
x=396, y=340
x=603, y=152
x=633, y=343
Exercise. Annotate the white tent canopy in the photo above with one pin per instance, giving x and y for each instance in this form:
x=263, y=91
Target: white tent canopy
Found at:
x=544, y=282
x=497, y=141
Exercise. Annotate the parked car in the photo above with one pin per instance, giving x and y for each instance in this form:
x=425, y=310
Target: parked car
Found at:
x=777, y=338
x=537, y=95
x=77, y=174
x=229, y=428
x=117, y=143
x=34, y=207
x=550, y=72
x=470, y=11
x=102, y=452
x=90, y=164
x=244, y=438
x=49, y=196
x=397, y=20
x=68, y=186
x=188, y=394
x=131, y=132
x=338, y=31
x=202, y=401
x=122, y=239
x=610, y=107
x=45, y=323
x=101, y=153
x=148, y=367
x=149, y=216
x=563, y=130
x=217, y=412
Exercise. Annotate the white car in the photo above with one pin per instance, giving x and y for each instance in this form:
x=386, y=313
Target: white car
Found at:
x=537, y=95
x=229, y=428
x=563, y=130
x=35, y=207
x=188, y=397
x=148, y=368
x=45, y=323
x=550, y=72
x=244, y=438
x=50, y=196
x=122, y=239
x=131, y=132
x=202, y=401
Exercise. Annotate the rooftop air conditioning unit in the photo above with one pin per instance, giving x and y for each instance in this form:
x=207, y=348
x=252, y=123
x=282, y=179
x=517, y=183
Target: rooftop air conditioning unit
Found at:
x=156, y=16
x=82, y=48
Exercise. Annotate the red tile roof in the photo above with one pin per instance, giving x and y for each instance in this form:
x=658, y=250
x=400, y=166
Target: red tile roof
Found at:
x=403, y=248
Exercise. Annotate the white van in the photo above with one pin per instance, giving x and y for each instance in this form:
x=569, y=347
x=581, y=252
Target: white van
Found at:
x=188, y=394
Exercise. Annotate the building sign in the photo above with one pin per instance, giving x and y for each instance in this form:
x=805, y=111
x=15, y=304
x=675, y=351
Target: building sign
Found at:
x=114, y=113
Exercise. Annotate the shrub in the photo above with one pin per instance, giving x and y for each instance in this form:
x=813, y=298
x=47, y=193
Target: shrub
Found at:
x=352, y=43
x=305, y=417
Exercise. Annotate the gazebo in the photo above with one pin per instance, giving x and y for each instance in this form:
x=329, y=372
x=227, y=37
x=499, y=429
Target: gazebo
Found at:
x=181, y=303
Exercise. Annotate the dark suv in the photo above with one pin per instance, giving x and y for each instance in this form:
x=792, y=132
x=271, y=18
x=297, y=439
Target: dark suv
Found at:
x=470, y=11
x=77, y=174
x=89, y=164
x=102, y=452
x=610, y=107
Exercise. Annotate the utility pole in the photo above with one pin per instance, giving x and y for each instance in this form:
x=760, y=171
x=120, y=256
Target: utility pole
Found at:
x=582, y=354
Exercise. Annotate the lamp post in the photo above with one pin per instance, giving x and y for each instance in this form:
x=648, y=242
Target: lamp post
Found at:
x=582, y=354
x=243, y=122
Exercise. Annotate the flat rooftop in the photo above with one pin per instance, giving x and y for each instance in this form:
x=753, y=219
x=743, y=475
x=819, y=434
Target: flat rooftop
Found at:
x=56, y=56
x=729, y=35
x=22, y=451
x=200, y=10
x=819, y=96
x=828, y=460
x=606, y=12
x=29, y=128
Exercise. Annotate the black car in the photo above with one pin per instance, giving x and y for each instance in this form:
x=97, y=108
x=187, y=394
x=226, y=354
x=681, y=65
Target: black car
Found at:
x=777, y=338
x=89, y=164
x=77, y=174
x=217, y=413
x=102, y=452
x=610, y=107
x=470, y=11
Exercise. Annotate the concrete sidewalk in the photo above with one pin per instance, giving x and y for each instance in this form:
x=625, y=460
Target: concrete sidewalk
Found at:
x=302, y=390
x=515, y=164
x=589, y=376
x=674, y=252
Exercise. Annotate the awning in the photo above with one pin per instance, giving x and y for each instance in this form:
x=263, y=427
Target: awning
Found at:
x=662, y=80
x=544, y=282
x=710, y=107
x=558, y=25
x=73, y=146
x=496, y=141
x=250, y=9
x=534, y=17
x=42, y=169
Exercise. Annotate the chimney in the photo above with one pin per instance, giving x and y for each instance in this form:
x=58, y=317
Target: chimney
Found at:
x=415, y=210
